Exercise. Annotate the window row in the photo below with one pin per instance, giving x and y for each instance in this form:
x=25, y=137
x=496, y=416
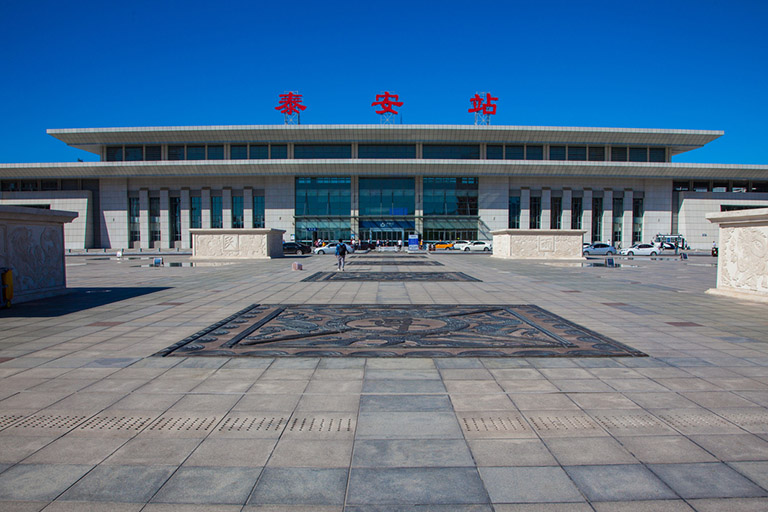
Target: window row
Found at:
x=720, y=186
x=263, y=151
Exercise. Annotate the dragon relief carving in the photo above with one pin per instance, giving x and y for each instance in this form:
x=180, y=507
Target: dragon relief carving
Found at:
x=745, y=258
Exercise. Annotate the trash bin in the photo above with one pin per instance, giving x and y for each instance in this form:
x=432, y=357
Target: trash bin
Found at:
x=6, y=287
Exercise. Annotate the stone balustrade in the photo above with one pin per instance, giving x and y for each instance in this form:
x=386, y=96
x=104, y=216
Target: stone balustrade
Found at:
x=236, y=244
x=538, y=244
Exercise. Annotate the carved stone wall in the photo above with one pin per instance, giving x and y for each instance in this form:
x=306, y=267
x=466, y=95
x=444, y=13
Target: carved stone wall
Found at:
x=538, y=244
x=236, y=244
x=32, y=245
x=742, y=261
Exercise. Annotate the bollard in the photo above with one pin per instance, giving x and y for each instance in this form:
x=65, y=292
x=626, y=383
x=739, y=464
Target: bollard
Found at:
x=297, y=266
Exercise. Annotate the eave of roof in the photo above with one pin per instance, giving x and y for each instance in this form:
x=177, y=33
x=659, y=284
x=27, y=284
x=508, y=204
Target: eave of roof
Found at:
x=375, y=167
x=91, y=139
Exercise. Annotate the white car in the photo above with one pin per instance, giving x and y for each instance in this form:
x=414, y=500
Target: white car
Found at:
x=459, y=245
x=331, y=249
x=479, y=246
x=641, y=250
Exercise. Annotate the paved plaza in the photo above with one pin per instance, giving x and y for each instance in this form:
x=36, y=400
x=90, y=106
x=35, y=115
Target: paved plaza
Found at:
x=92, y=420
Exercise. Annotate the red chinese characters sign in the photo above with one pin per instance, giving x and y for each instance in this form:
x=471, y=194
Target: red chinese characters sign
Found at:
x=487, y=108
x=387, y=101
x=290, y=104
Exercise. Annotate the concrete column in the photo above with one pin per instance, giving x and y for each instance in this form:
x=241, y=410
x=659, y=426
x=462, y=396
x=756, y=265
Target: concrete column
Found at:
x=226, y=208
x=525, y=208
x=354, y=206
x=144, y=218
x=165, y=221
x=419, y=208
x=586, y=214
x=567, y=205
x=493, y=204
x=279, y=201
x=626, y=227
x=546, y=207
x=607, y=235
x=205, y=206
x=248, y=207
x=186, y=242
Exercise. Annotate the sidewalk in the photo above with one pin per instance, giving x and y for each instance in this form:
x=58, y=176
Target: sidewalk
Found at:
x=89, y=421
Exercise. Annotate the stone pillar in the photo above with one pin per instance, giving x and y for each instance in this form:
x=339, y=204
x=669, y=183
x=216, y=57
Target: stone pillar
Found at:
x=205, y=206
x=525, y=208
x=165, y=220
x=247, y=207
x=626, y=227
x=144, y=242
x=185, y=207
x=586, y=214
x=567, y=205
x=607, y=235
x=493, y=204
x=226, y=208
x=419, y=210
x=546, y=208
x=354, y=207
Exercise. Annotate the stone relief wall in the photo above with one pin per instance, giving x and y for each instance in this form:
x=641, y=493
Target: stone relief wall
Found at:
x=236, y=243
x=537, y=244
x=32, y=245
x=742, y=262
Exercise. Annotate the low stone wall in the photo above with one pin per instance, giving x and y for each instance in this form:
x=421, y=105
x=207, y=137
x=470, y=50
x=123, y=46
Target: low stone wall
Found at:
x=32, y=245
x=538, y=244
x=236, y=244
x=742, y=260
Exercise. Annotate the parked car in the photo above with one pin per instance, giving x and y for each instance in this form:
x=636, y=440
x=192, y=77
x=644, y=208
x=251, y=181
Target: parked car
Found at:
x=443, y=245
x=331, y=248
x=598, y=249
x=295, y=248
x=641, y=250
x=479, y=246
x=459, y=245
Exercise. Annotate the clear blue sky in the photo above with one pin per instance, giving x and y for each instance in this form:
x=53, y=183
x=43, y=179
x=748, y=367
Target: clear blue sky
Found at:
x=694, y=64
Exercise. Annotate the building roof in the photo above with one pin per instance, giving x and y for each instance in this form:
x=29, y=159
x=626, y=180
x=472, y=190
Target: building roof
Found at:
x=679, y=141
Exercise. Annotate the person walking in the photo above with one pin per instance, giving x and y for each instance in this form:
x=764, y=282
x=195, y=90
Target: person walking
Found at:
x=341, y=254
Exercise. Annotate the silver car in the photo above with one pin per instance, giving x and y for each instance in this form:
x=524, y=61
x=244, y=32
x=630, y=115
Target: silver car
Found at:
x=598, y=249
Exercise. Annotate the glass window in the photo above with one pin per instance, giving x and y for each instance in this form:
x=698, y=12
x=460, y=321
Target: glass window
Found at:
x=134, y=153
x=174, y=213
x=114, y=153
x=514, y=212
x=760, y=186
x=451, y=151
x=494, y=152
x=216, y=152
x=618, y=218
x=70, y=184
x=618, y=154
x=657, y=155
x=176, y=153
x=152, y=153
x=387, y=196
x=217, y=212
x=279, y=151
x=535, y=211
x=577, y=210
x=720, y=186
x=12, y=186
x=322, y=151
x=386, y=150
x=258, y=211
x=258, y=151
x=49, y=184
x=597, y=219
x=237, y=211
x=577, y=153
x=739, y=186
x=154, y=219
x=134, y=219
x=681, y=185
x=29, y=185
x=534, y=152
x=638, y=154
x=329, y=196
x=557, y=152
x=238, y=152
x=637, y=220
x=195, y=152
x=556, y=213
x=515, y=152
x=450, y=196
x=701, y=186
x=195, y=212
x=596, y=153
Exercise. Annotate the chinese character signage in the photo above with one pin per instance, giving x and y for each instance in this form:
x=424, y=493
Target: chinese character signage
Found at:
x=386, y=101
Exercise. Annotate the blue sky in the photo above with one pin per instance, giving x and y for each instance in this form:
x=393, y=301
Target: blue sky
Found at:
x=652, y=64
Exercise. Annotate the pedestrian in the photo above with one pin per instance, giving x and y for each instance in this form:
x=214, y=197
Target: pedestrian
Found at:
x=341, y=254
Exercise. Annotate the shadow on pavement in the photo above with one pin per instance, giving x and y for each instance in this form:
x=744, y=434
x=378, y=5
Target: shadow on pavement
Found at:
x=77, y=299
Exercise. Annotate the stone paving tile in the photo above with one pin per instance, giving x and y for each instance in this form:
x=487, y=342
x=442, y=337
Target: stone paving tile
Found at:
x=408, y=425
x=403, y=386
x=147, y=451
x=529, y=485
x=313, y=453
x=415, y=403
x=420, y=508
x=589, y=451
x=415, y=486
x=202, y=485
x=665, y=449
x=231, y=452
x=644, y=506
x=411, y=453
x=32, y=482
x=75, y=450
x=730, y=504
x=483, y=402
x=133, y=484
x=619, y=483
x=511, y=452
x=706, y=480
x=737, y=447
x=308, y=486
